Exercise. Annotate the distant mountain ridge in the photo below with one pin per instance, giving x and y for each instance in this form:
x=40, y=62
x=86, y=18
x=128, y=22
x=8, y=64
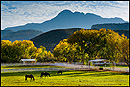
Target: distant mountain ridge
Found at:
x=5, y=32
x=112, y=26
x=67, y=19
x=19, y=35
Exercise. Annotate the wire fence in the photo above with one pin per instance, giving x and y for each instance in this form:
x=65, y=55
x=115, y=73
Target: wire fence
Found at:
x=70, y=67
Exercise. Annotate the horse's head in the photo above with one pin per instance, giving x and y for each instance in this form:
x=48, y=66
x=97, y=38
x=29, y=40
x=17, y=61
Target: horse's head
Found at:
x=49, y=75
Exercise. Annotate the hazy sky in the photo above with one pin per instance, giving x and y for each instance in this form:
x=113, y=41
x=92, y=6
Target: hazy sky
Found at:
x=16, y=13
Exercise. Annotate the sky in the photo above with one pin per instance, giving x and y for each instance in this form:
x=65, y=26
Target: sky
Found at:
x=17, y=13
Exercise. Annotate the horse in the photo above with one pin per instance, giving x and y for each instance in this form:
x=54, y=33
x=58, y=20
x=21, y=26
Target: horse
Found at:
x=59, y=72
x=29, y=76
x=45, y=74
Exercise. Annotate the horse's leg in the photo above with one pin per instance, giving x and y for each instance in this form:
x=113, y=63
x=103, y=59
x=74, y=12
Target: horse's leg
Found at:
x=30, y=79
x=25, y=78
x=41, y=76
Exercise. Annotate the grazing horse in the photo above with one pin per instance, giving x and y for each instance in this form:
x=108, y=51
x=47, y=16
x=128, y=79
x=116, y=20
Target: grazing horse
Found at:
x=45, y=74
x=59, y=72
x=29, y=76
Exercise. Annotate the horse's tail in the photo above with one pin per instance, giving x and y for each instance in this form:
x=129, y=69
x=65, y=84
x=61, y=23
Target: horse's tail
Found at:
x=49, y=75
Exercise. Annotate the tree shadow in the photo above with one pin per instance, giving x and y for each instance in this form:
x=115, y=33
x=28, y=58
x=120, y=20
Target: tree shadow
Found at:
x=19, y=73
x=70, y=73
x=101, y=74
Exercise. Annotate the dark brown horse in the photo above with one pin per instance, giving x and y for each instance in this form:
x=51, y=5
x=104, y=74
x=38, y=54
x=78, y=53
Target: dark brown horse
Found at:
x=45, y=74
x=59, y=72
x=29, y=76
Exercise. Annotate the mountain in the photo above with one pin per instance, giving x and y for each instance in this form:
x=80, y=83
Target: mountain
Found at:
x=52, y=38
x=112, y=26
x=67, y=19
x=5, y=32
x=21, y=35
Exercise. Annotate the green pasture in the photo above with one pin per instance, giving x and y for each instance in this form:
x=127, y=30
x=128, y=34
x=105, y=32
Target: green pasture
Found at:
x=68, y=78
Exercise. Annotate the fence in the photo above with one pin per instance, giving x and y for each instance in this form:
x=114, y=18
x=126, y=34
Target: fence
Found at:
x=21, y=64
x=70, y=67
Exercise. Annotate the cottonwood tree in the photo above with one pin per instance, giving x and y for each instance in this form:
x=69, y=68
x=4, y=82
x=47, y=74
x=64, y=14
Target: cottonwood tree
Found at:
x=14, y=51
x=101, y=43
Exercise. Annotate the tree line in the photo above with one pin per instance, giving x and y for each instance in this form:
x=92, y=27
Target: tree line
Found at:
x=84, y=45
x=13, y=52
x=81, y=46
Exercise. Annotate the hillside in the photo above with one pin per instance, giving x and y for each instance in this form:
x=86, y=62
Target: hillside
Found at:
x=52, y=38
x=5, y=32
x=21, y=35
x=67, y=19
x=113, y=26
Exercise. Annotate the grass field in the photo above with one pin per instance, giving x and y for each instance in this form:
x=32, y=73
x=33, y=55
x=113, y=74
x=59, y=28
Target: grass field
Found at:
x=68, y=78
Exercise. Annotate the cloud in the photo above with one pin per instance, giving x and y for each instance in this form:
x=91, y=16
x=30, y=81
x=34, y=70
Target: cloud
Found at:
x=15, y=13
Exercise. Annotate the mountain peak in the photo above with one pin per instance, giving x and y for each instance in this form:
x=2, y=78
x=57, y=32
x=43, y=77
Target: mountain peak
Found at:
x=65, y=12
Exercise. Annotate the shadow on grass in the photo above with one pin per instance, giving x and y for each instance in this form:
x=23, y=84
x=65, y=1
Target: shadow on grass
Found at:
x=101, y=74
x=19, y=73
x=70, y=73
x=35, y=73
